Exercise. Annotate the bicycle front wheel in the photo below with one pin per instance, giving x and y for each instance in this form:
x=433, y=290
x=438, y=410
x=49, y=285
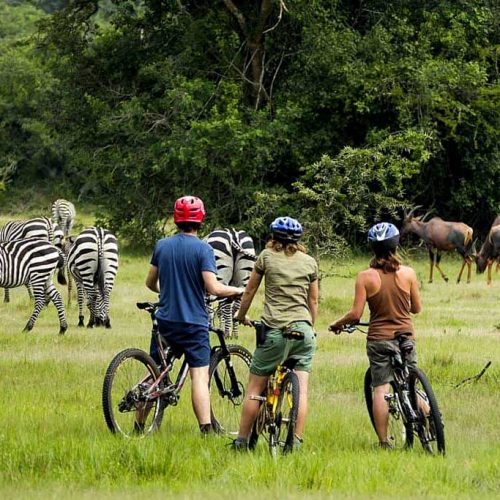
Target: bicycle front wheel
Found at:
x=127, y=405
x=399, y=434
x=228, y=376
x=286, y=414
x=429, y=427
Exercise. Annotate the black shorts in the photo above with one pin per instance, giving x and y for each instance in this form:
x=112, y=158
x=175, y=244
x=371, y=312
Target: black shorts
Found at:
x=184, y=338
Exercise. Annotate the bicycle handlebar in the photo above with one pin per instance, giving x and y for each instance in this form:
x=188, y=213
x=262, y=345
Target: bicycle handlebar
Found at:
x=351, y=328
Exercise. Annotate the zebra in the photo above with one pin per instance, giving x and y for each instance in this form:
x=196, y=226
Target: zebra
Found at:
x=63, y=214
x=93, y=263
x=41, y=228
x=235, y=257
x=32, y=262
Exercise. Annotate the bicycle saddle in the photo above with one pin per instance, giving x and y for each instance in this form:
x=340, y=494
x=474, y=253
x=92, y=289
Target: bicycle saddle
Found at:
x=405, y=344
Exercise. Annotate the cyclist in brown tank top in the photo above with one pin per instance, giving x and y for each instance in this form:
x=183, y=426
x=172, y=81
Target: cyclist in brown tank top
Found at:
x=391, y=291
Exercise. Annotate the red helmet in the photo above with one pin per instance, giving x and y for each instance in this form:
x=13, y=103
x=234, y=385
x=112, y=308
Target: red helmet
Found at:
x=189, y=209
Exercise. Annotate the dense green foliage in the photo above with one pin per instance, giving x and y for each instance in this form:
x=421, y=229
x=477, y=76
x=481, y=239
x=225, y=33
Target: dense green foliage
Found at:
x=337, y=112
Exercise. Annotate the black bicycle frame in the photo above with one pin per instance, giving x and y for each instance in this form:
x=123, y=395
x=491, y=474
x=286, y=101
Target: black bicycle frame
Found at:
x=168, y=357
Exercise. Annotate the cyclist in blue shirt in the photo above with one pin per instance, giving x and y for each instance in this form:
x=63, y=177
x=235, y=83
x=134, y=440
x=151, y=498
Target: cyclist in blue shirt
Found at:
x=182, y=271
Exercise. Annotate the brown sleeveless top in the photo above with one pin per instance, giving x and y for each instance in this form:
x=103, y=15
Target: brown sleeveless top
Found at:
x=389, y=310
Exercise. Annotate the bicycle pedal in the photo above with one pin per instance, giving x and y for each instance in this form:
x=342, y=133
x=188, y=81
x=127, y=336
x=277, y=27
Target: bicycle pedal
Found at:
x=257, y=398
x=388, y=397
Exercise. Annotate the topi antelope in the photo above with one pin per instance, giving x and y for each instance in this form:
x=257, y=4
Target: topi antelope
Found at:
x=440, y=235
x=490, y=250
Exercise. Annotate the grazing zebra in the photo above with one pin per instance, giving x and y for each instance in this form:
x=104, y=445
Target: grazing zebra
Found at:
x=63, y=214
x=235, y=257
x=41, y=228
x=93, y=263
x=31, y=262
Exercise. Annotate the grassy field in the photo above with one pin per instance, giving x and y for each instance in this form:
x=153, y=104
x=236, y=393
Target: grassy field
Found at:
x=54, y=442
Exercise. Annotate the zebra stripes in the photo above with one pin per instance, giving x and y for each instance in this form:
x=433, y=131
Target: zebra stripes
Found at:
x=63, y=214
x=41, y=228
x=32, y=262
x=235, y=257
x=93, y=263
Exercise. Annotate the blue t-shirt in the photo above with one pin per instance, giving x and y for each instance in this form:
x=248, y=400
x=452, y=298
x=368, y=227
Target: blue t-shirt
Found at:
x=180, y=260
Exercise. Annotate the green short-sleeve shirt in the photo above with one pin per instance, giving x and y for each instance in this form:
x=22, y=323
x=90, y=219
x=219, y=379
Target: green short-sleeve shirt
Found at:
x=287, y=281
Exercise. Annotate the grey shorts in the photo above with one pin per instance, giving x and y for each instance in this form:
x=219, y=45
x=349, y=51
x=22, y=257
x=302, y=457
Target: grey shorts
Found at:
x=379, y=353
x=277, y=349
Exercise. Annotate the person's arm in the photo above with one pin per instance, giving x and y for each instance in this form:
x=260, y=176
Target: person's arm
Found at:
x=248, y=295
x=313, y=299
x=354, y=314
x=415, y=302
x=152, y=279
x=215, y=287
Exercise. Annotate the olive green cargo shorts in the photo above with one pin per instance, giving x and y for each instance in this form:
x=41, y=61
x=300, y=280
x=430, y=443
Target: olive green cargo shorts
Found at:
x=379, y=353
x=277, y=349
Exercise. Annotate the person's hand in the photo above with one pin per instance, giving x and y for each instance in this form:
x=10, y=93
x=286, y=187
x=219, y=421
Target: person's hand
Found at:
x=242, y=319
x=237, y=293
x=335, y=327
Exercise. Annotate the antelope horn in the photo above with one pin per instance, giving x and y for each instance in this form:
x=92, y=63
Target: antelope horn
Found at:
x=427, y=214
x=412, y=211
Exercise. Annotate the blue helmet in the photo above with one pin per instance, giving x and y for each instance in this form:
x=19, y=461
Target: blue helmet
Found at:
x=286, y=228
x=384, y=236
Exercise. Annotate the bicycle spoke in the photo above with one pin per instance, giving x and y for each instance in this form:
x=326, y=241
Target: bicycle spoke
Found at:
x=127, y=403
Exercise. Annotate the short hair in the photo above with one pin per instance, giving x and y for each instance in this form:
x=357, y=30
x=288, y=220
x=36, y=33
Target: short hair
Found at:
x=188, y=226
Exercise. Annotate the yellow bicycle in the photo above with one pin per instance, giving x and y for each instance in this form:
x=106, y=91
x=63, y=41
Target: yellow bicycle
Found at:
x=279, y=406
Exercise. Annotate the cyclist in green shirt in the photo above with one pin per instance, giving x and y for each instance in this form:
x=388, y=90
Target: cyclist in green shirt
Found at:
x=290, y=305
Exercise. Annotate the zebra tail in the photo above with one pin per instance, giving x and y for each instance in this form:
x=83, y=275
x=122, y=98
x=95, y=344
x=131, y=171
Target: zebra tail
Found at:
x=61, y=278
x=99, y=276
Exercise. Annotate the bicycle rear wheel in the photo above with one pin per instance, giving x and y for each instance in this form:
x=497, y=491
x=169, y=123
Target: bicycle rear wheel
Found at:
x=429, y=427
x=228, y=377
x=286, y=414
x=399, y=434
x=127, y=380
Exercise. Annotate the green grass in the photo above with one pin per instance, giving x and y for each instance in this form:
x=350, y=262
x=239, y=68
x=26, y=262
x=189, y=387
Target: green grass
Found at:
x=54, y=442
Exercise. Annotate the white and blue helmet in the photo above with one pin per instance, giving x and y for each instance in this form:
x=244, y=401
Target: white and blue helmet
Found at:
x=286, y=228
x=383, y=236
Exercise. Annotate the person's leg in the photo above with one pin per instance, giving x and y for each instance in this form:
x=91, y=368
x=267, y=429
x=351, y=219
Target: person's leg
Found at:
x=200, y=395
x=381, y=411
x=301, y=417
x=256, y=386
x=379, y=354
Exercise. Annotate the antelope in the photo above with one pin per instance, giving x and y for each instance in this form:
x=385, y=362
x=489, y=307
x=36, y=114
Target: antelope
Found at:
x=441, y=236
x=490, y=250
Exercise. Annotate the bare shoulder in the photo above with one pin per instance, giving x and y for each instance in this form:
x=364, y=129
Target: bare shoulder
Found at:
x=367, y=275
x=407, y=272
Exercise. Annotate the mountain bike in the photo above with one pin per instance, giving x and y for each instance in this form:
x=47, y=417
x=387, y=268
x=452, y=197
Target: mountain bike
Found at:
x=279, y=406
x=136, y=390
x=413, y=407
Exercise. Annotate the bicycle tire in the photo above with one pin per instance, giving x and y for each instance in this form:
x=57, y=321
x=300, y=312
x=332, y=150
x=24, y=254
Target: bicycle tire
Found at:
x=430, y=428
x=121, y=388
x=286, y=414
x=399, y=434
x=225, y=405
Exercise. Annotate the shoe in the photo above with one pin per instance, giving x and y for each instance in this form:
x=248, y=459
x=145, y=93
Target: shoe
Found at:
x=138, y=428
x=385, y=445
x=297, y=443
x=206, y=429
x=239, y=444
